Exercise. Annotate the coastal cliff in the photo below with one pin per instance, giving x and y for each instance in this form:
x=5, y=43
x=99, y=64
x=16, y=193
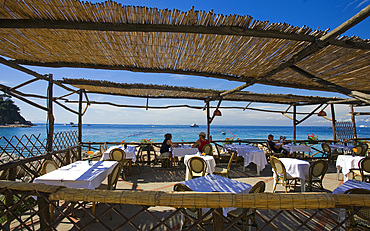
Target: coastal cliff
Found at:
x=9, y=113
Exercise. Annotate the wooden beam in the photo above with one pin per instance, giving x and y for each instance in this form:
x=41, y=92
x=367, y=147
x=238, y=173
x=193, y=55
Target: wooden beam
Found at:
x=6, y=90
x=331, y=86
x=65, y=107
x=30, y=72
x=247, y=79
x=236, y=89
x=80, y=94
x=25, y=83
x=310, y=114
x=353, y=122
x=138, y=27
x=320, y=43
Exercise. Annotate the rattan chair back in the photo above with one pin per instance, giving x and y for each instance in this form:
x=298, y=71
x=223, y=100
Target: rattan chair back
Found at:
x=278, y=167
x=117, y=154
x=318, y=168
x=233, y=156
x=48, y=166
x=181, y=188
x=113, y=177
x=358, y=150
x=259, y=187
x=197, y=165
x=326, y=148
x=361, y=219
x=101, y=149
x=207, y=149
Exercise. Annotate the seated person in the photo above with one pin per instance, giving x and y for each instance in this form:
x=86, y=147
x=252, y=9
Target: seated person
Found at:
x=165, y=148
x=202, y=141
x=276, y=148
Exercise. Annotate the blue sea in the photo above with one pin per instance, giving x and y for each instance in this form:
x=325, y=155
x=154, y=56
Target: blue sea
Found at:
x=119, y=132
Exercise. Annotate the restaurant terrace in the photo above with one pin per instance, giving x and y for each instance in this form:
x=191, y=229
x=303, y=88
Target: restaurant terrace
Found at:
x=111, y=36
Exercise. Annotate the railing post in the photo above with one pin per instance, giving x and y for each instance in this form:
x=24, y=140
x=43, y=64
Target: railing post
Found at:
x=49, y=145
x=44, y=213
x=80, y=124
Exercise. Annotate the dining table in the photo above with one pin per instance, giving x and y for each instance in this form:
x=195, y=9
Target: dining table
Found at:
x=182, y=150
x=129, y=150
x=345, y=163
x=250, y=154
x=216, y=183
x=350, y=184
x=296, y=168
x=210, y=161
x=80, y=174
x=292, y=148
x=344, y=148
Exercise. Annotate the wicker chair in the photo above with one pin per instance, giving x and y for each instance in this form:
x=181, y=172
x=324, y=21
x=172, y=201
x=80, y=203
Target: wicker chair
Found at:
x=197, y=167
x=359, y=150
x=272, y=153
x=281, y=176
x=332, y=156
x=119, y=155
x=316, y=174
x=360, y=220
x=193, y=213
x=362, y=173
x=208, y=149
x=259, y=187
x=48, y=166
x=225, y=171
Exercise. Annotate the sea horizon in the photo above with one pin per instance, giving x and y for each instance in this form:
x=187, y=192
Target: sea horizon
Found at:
x=114, y=132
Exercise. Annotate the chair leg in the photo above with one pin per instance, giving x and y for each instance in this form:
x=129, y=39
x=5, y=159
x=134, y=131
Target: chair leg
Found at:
x=275, y=183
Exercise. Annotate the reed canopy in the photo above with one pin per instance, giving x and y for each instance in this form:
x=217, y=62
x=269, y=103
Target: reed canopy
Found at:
x=108, y=35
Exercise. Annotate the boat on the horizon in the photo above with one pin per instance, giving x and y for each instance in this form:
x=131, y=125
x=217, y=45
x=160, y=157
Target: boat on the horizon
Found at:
x=194, y=125
x=72, y=124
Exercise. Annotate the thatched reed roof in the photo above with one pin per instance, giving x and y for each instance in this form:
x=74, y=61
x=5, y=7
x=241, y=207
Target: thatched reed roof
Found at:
x=69, y=33
x=164, y=91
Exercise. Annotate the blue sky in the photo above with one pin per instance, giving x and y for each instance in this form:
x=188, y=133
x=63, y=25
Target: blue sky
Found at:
x=314, y=14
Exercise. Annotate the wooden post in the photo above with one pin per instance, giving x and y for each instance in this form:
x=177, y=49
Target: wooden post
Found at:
x=44, y=213
x=294, y=122
x=208, y=119
x=50, y=135
x=353, y=122
x=333, y=121
x=80, y=123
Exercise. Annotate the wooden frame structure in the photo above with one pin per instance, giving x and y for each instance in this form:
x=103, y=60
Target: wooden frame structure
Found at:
x=58, y=33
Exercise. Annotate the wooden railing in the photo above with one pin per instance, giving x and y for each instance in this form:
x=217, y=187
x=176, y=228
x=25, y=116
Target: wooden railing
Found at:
x=157, y=210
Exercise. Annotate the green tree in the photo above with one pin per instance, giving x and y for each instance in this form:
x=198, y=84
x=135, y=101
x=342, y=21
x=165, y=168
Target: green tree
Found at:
x=9, y=112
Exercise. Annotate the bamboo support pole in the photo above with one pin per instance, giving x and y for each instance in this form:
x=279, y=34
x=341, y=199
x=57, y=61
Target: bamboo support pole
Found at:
x=294, y=122
x=50, y=135
x=80, y=123
x=353, y=122
x=332, y=109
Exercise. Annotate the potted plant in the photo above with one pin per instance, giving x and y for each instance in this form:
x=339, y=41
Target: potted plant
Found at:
x=312, y=139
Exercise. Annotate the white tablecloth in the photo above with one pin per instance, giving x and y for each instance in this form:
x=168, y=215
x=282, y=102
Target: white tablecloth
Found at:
x=184, y=150
x=210, y=161
x=215, y=183
x=291, y=148
x=345, y=163
x=79, y=174
x=296, y=168
x=251, y=154
x=350, y=184
x=130, y=152
x=342, y=147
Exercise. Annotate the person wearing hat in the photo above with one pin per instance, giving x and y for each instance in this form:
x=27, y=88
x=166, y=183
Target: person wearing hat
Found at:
x=166, y=145
x=202, y=141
